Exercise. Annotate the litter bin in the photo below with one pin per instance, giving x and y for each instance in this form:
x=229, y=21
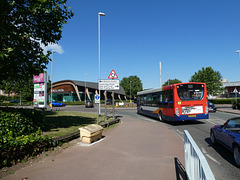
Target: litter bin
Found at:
x=90, y=133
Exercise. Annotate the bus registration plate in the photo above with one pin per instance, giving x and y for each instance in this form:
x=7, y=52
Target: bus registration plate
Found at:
x=191, y=115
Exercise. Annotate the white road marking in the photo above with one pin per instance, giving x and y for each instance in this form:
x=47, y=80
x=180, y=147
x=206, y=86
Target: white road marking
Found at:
x=208, y=120
x=210, y=157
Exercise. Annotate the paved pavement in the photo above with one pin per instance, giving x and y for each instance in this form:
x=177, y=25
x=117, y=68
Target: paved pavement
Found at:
x=134, y=149
x=227, y=108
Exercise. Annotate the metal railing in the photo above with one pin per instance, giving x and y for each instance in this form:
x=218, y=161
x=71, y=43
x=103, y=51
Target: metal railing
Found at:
x=195, y=163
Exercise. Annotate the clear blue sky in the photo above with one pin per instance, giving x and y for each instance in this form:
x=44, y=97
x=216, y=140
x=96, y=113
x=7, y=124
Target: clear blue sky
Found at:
x=185, y=35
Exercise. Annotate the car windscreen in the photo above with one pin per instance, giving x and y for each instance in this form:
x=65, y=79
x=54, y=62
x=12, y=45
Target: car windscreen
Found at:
x=188, y=92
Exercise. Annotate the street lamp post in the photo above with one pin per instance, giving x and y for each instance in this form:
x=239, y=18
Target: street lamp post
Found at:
x=85, y=86
x=52, y=76
x=99, y=14
x=168, y=77
x=238, y=51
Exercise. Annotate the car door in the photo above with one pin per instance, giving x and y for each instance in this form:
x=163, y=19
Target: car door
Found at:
x=226, y=135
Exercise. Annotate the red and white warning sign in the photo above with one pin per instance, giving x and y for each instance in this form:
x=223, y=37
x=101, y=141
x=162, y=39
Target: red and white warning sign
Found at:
x=113, y=75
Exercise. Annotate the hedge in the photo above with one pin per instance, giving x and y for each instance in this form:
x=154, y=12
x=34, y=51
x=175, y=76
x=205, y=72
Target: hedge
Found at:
x=221, y=101
x=20, y=134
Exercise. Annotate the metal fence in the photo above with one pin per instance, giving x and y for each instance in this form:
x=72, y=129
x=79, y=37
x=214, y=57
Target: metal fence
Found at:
x=195, y=163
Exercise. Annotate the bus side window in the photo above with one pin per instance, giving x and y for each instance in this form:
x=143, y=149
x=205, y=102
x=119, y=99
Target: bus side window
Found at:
x=160, y=101
x=170, y=102
x=165, y=99
x=149, y=99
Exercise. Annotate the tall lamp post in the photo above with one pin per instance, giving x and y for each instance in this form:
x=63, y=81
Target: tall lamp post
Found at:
x=85, y=86
x=168, y=77
x=52, y=76
x=99, y=14
x=238, y=51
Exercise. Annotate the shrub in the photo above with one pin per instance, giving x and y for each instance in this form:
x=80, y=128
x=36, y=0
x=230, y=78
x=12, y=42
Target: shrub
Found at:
x=20, y=134
x=221, y=101
x=236, y=103
x=75, y=103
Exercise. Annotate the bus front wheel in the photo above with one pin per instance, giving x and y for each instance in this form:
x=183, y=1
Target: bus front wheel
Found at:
x=160, y=116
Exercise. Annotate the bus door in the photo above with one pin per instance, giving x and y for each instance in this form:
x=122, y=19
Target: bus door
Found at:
x=168, y=110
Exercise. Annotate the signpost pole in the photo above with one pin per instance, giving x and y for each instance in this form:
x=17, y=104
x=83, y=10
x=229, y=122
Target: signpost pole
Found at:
x=113, y=107
x=97, y=100
x=236, y=91
x=97, y=115
x=105, y=105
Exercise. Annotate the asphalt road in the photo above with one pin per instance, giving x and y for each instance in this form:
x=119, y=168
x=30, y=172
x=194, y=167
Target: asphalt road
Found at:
x=220, y=160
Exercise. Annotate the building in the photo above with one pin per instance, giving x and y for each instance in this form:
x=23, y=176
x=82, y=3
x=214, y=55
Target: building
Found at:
x=70, y=90
x=231, y=89
x=3, y=93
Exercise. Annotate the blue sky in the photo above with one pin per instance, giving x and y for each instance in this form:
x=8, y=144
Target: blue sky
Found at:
x=185, y=35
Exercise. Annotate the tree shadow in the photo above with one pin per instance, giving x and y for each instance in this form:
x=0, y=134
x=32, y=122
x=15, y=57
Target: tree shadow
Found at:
x=54, y=122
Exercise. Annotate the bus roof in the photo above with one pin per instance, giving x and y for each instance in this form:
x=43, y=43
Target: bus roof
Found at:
x=149, y=91
x=164, y=87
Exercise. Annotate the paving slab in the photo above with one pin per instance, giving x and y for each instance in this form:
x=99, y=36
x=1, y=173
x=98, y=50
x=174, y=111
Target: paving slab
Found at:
x=135, y=149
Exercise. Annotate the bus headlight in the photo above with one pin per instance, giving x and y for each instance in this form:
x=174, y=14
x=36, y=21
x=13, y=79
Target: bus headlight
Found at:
x=206, y=110
x=177, y=112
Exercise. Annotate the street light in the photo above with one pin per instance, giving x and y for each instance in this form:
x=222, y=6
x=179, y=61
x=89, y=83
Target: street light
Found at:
x=238, y=51
x=99, y=14
x=130, y=92
x=85, y=86
x=52, y=76
x=168, y=77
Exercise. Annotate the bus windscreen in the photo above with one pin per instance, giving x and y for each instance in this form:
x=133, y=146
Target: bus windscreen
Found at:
x=188, y=92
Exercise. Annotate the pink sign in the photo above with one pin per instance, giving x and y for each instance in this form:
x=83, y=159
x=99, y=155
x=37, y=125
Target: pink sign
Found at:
x=39, y=78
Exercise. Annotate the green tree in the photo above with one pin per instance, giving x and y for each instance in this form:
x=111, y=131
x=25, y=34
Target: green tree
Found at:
x=24, y=25
x=172, y=81
x=27, y=90
x=210, y=77
x=25, y=87
x=136, y=86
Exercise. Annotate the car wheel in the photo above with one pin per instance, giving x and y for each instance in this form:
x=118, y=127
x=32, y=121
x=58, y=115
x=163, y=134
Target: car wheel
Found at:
x=213, y=139
x=236, y=155
x=160, y=116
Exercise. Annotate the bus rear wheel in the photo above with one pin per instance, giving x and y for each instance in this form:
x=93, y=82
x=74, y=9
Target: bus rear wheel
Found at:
x=160, y=116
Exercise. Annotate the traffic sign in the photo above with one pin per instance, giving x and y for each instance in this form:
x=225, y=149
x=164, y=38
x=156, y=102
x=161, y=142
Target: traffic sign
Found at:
x=235, y=90
x=109, y=85
x=97, y=98
x=113, y=75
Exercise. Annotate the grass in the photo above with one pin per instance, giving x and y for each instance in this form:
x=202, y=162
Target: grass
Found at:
x=60, y=123
x=23, y=103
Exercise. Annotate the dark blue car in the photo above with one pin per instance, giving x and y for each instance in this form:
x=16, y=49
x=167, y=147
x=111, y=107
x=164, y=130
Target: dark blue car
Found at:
x=228, y=135
x=211, y=107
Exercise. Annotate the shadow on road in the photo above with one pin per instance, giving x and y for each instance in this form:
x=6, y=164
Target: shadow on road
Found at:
x=184, y=123
x=177, y=123
x=221, y=150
